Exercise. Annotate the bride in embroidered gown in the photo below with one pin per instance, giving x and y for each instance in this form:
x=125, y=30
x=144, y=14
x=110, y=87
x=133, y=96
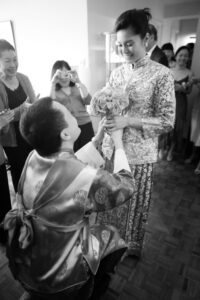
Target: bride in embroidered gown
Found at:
x=150, y=87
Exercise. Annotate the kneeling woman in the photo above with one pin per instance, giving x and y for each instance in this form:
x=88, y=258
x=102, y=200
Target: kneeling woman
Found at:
x=68, y=90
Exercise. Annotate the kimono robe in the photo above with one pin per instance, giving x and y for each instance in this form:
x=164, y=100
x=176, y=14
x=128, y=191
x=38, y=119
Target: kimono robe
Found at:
x=52, y=244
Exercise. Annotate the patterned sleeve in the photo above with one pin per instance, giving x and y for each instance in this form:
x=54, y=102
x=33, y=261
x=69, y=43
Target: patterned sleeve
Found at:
x=110, y=190
x=116, y=78
x=164, y=108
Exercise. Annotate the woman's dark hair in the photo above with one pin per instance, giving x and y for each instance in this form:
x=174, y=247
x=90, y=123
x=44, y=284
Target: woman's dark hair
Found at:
x=41, y=126
x=168, y=46
x=180, y=49
x=58, y=65
x=137, y=19
x=5, y=46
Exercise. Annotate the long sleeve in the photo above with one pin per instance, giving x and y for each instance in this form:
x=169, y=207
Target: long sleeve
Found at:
x=164, y=108
x=110, y=190
x=5, y=129
x=120, y=161
x=90, y=155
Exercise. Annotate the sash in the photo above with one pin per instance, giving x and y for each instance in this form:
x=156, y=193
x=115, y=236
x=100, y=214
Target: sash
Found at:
x=57, y=180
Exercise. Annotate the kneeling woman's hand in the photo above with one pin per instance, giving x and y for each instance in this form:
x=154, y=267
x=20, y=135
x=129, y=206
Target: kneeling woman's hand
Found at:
x=97, y=139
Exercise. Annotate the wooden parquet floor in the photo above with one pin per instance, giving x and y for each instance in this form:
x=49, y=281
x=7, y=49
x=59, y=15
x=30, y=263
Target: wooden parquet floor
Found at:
x=169, y=268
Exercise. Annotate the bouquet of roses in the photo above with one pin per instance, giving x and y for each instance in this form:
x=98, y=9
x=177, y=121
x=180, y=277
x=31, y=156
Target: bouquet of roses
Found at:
x=109, y=102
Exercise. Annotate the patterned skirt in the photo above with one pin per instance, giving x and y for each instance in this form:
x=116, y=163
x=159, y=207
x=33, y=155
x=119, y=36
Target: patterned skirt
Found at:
x=130, y=218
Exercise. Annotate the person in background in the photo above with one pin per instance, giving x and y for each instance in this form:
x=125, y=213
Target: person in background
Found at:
x=5, y=204
x=168, y=49
x=158, y=55
x=191, y=49
x=183, y=84
x=52, y=248
x=16, y=93
x=195, y=129
x=197, y=170
x=67, y=89
x=152, y=48
x=150, y=87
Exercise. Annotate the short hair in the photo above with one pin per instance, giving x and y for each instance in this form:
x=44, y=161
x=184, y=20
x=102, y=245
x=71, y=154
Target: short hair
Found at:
x=58, y=65
x=5, y=46
x=168, y=46
x=182, y=48
x=41, y=126
x=136, y=19
x=153, y=31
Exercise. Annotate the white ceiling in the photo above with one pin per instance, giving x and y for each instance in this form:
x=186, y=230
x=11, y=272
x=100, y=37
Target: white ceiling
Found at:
x=178, y=1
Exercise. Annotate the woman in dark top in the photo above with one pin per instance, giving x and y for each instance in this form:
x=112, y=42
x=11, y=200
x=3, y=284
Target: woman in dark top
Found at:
x=15, y=93
x=183, y=85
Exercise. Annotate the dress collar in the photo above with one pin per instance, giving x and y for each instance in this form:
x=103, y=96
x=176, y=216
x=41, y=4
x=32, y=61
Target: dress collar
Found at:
x=139, y=63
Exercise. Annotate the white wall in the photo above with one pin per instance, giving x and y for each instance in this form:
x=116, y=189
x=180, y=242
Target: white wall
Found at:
x=188, y=28
x=178, y=31
x=171, y=29
x=47, y=30
x=196, y=54
x=175, y=10
x=174, y=14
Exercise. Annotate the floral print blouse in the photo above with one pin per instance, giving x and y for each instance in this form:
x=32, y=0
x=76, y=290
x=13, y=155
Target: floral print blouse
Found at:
x=150, y=87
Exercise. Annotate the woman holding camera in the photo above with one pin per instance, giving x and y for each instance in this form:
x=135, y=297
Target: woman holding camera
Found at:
x=67, y=89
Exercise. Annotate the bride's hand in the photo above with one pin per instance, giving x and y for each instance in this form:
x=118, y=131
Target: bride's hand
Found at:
x=118, y=122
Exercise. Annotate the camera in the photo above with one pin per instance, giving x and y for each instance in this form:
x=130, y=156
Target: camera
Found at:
x=66, y=75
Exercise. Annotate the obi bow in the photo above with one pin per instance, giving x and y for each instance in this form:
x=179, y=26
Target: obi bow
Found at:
x=20, y=219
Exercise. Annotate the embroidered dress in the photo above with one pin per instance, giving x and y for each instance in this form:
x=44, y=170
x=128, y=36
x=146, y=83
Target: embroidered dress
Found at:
x=152, y=100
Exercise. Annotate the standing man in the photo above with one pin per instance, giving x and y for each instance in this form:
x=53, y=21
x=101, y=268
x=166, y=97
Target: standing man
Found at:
x=154, y=52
